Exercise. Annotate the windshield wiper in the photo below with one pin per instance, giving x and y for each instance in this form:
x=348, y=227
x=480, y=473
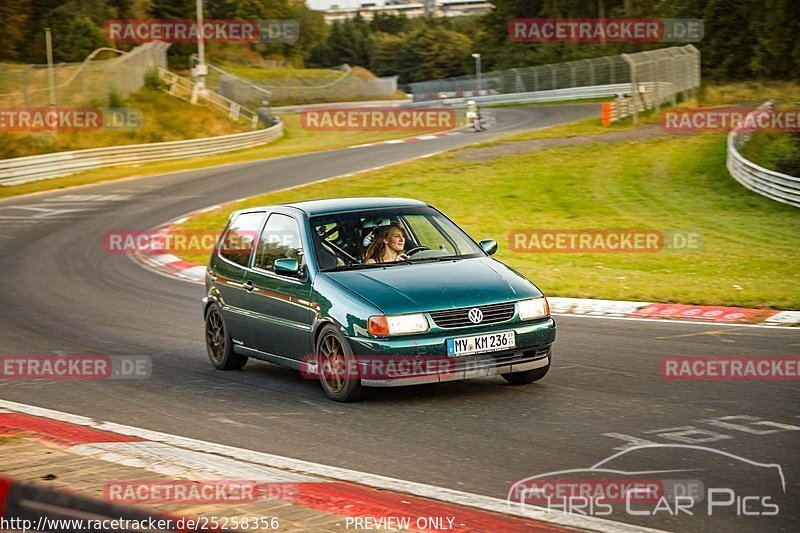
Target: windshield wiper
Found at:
x=359, y=266
x=436, y=259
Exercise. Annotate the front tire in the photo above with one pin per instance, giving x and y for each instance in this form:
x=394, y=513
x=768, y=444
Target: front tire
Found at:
x=218, y=342
x=337, y=367
x=527, y=376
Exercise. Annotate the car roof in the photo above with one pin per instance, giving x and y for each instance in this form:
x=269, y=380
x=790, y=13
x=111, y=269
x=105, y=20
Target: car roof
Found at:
x=339, y=205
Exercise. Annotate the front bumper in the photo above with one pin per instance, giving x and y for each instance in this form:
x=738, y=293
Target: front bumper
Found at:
x=533, y=342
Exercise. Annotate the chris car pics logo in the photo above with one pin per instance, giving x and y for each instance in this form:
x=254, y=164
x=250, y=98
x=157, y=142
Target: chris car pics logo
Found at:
x=695, y=481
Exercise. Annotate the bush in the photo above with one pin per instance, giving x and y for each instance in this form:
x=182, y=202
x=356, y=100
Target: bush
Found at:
x=115, y=99
x=153, y=81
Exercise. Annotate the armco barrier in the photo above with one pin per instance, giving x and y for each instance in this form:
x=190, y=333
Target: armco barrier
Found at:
x=774, y=185
x=45, y=166
x=36, y=507
x=555, y=95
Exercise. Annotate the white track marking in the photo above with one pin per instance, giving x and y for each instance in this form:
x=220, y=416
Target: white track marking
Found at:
x=299, y=466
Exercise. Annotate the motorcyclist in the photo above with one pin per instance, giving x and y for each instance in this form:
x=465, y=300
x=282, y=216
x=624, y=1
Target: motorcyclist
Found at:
x=472, y=111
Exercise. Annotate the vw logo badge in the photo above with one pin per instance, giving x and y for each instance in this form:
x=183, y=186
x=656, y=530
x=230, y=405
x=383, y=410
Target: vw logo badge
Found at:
x=475, y=315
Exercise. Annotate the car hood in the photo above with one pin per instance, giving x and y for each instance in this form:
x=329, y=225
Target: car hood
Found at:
x=436, y=286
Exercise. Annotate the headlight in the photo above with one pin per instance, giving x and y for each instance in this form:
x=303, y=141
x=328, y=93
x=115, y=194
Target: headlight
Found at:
x=533, y=308
x=383, y=325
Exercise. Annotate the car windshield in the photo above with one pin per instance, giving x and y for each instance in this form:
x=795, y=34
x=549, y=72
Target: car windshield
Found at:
x=342, y=240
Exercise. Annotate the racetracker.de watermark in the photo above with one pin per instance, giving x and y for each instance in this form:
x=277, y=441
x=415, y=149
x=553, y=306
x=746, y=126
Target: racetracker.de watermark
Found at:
x=196, y=492
x=69, y=118
x=157, y=242
x=731, y=368
x=604, y=241
x=75, y=367
x=382, y=367
x=272, y=31
x=731, y=118
x=378, y=119
x=593, y=30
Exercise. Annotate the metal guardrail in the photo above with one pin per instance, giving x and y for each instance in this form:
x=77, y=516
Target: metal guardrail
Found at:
x=555, y=95
x=39, y=167
x=774, y=185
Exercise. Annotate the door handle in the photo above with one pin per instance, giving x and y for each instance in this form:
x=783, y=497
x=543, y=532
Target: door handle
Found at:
x=248, y=286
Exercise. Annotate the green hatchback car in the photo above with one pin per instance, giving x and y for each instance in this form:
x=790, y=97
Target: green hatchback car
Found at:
x=377, y=292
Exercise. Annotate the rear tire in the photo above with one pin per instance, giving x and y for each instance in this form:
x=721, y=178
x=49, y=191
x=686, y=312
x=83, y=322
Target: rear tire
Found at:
x=336, y=366
x=528, y=376
x=218, y=342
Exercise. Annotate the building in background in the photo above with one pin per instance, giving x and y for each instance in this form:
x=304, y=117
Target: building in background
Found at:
x=410, y=8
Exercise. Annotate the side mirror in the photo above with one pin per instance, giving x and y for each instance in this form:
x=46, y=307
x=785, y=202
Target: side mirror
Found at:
x=489, y=246
x=287, y=267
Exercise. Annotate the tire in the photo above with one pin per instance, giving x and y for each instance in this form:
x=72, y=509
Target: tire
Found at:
x=335, y=358
x=218, y=342
x=527, y=376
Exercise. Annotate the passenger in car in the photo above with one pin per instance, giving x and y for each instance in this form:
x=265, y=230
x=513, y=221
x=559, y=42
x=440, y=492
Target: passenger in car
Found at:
x=387, y=245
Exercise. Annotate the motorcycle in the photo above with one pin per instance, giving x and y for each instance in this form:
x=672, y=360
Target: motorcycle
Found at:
x=477, y=121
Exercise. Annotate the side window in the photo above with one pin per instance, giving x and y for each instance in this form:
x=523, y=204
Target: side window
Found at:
x=280, y=239
x=237, y=244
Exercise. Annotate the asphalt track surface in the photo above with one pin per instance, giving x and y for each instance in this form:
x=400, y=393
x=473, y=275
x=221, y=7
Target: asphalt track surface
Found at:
x=61, y=293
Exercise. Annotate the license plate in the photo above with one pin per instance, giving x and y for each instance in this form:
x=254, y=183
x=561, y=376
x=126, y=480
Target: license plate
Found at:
x=481, y=343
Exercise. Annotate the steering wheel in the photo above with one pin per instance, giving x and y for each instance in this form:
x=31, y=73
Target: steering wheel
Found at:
x=415, y=250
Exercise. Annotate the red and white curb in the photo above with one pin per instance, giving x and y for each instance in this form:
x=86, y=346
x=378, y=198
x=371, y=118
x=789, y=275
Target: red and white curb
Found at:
x=328, y=488
x=175, y=266
x=677, y=312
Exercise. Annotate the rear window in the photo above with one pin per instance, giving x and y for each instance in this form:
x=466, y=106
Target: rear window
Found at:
x=237, y=244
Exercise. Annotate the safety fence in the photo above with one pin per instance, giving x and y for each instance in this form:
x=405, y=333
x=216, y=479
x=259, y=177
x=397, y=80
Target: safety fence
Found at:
x=76, y=84
x=670, y=72
x=190, y=91
x=38, y=167
x=774, y=185
x=340, y=84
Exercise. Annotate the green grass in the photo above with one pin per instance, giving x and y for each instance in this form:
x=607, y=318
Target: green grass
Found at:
x=165, y=118
x=296, y=140
x=293, y=76
x=751, y=244
x=770, y=149
x=749, y=92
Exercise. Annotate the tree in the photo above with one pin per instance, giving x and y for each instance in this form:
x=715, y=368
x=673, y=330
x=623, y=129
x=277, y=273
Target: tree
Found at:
x=174, y=9
x=392, y=24
x=388, y=55
x=81, y=38
x=13, y=19
x=432, y=53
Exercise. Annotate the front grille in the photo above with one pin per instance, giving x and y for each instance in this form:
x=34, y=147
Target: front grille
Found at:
x=457, y=318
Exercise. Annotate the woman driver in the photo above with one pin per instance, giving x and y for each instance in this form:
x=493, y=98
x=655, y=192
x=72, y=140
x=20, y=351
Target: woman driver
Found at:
x=387, y=246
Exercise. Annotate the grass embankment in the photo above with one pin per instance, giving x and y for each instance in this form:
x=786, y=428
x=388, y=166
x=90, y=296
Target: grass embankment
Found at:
x=294, y=76
x=296, y=140
x=294, y=86
x=751, y=245
x=778, y=151
x=165, y=118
